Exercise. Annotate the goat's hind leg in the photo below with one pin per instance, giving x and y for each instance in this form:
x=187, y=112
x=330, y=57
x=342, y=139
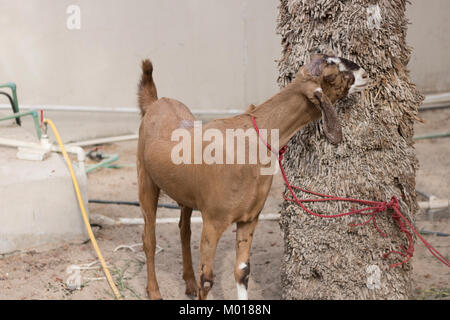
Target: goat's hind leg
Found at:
x=148, y=198
x=185, y=234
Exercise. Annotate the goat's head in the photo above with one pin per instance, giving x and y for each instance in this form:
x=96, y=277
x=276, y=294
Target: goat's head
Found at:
x=338, y=78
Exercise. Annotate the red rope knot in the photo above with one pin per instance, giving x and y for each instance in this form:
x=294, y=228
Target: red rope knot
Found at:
x=394, y=203
x=402, y=223
x=384, y=206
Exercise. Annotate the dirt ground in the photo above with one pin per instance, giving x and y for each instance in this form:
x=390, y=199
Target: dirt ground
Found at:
x=43, y=274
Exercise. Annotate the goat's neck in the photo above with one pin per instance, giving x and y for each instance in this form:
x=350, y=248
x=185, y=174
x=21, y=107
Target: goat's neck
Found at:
x=288, y=111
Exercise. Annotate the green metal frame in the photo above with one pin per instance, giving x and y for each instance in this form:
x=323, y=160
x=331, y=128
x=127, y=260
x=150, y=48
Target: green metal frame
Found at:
x=15, y=101
x=32, y=113
x=13, y=88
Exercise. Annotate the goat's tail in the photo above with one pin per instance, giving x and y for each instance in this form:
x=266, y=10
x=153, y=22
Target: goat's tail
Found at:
x=147, y=90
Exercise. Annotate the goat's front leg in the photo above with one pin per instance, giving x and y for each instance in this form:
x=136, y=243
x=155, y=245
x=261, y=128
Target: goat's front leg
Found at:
x=211, y=232
x=244, y=237
x=185, y=234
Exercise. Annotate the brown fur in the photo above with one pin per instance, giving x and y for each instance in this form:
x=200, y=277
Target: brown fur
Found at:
x=224, y=194
x=147, y=90
x=319, y=73
x=250, y=108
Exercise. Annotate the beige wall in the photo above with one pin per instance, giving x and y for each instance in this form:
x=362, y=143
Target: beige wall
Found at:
x=211, y=54
x=208, y=53
x=429, y=35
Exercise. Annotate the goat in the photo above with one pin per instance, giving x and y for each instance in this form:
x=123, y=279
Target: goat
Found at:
x=227, y=194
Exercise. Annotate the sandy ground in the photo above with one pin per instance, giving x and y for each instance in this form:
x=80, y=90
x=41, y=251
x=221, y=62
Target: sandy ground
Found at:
x=43, y=274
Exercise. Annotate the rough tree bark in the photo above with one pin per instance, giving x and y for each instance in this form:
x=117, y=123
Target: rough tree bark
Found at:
x=326, y=258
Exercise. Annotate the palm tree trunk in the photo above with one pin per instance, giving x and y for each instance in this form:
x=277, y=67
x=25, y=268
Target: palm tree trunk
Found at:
x=326, y=258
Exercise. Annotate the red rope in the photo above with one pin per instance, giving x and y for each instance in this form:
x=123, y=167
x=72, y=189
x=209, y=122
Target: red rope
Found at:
x=372, y=209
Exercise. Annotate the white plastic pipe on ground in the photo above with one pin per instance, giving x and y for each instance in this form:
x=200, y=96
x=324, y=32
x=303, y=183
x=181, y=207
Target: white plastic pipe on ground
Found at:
x=103, y=140
x=434, y=203
x=103, y=220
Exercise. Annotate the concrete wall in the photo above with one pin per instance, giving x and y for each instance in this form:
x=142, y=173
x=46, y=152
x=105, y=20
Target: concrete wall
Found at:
x=38, y=202
x=211, y=54
x=429, y=35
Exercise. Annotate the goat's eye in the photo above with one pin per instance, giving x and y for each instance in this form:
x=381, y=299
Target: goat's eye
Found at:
x=331, y=77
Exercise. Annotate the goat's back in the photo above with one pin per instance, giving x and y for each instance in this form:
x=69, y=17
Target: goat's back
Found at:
x=155, y=147
x=163, y=117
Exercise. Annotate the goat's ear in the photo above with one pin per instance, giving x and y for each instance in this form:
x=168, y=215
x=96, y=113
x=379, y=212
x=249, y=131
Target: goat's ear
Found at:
x=331, y=125
x=315, y=66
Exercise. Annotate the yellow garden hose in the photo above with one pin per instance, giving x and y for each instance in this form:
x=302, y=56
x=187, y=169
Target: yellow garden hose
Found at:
x=83, y=211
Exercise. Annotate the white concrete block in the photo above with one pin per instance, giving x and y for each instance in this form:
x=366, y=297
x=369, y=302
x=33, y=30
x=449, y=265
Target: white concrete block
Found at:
x=38, y=205
x=32, y=154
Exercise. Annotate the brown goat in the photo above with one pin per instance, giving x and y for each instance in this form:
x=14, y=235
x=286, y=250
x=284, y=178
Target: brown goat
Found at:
x=227, y=193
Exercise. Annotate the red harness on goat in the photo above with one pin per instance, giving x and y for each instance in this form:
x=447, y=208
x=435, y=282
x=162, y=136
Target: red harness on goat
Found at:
x=372, y=209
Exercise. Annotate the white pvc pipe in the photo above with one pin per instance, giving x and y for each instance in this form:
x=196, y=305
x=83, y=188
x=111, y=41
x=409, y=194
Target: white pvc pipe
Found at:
x=430, y=99
x=75, y=108
x=16, y=143
x=81, y=155
x=434, y=203
x=440, y=98
x=103, y=140
x=113, y=109
x=101, y=219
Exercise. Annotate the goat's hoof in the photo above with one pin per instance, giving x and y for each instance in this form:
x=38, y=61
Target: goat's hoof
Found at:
x=191, y=295
x=202, y=294
x=154, y=296
x=191, y=290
